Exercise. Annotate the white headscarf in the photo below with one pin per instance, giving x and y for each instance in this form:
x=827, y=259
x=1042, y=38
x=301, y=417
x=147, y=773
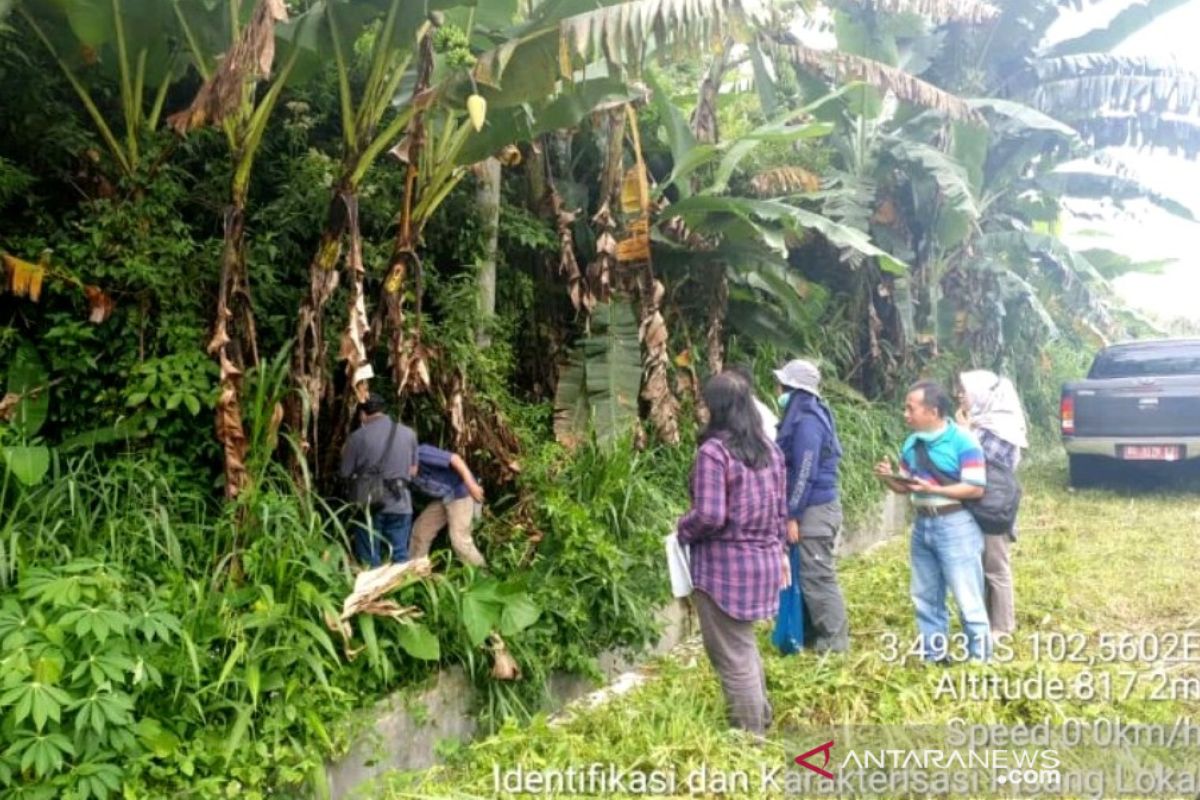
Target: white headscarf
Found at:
x=994, y=406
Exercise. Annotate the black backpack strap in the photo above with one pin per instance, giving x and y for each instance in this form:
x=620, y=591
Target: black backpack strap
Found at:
x=387, y=449
x=926, y=463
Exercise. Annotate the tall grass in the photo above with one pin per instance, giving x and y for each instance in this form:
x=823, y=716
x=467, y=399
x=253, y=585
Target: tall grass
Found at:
x=868, y=432
x=247, y=650
x=134, y=516
x=588, y=546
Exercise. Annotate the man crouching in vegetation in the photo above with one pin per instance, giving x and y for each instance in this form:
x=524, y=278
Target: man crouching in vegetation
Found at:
x=446, y=478
x=941, y=466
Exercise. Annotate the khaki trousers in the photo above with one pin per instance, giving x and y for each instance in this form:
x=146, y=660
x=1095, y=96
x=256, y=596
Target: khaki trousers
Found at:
x=458, y=515
x=998, y=583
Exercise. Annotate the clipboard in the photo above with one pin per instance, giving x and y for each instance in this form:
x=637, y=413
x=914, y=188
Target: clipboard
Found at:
x=900, y=480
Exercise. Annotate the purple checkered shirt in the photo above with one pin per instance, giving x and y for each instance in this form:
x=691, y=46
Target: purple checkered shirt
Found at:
x=737, y=529
x=998, y=450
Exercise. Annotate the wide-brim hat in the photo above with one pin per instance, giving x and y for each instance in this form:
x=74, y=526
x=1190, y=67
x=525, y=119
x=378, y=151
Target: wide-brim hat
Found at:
x=800, y=374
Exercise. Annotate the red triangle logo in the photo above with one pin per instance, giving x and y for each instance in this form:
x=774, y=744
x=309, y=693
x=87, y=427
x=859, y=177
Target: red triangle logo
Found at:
x=802, y=760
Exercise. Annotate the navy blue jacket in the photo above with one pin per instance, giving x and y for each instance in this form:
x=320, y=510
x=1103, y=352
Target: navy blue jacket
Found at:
x=435, y=477
x=808, y=438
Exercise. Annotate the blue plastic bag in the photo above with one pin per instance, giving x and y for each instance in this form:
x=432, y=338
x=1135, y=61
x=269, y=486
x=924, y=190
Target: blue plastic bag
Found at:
x=788, y=636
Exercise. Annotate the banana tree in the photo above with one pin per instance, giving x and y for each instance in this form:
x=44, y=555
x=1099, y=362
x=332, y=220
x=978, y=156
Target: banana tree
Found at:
x=387, y=100
x=533, y=77
x=338, y=25
x=704, y=128
x=605, y=373
x=1017, y=175
x=926, y=183
x=229, y=98
x=547, y=72
x=851, y=194
x=435, y=151
x=1112, y=100
x=487, y=200
x=437, y=144
x=900, y=186
x=931, y=185
x=431, y=152
x=126, y=41
x=1006, y=57
x=747, y=240
x=1003, y=272
x=611, y=44
x=1116, y=100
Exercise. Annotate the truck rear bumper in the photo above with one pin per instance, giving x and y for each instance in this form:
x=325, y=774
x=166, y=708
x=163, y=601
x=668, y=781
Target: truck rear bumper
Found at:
x=1110, y=445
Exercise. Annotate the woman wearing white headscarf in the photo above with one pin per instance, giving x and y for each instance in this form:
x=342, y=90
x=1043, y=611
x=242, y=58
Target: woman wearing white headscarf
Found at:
x=991, y=407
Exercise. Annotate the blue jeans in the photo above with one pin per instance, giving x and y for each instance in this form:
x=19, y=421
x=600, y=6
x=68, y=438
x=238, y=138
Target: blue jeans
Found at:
x=947, y=552
x=391, y=528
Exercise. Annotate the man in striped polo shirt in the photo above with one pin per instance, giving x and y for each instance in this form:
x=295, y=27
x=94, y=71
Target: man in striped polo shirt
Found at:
x=941, y=466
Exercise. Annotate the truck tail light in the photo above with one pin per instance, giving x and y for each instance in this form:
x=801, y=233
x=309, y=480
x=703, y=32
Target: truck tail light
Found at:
x=1067, y=413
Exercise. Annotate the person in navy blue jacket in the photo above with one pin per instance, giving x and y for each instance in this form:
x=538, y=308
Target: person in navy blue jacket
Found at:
x=446, y=479
x=808, y=438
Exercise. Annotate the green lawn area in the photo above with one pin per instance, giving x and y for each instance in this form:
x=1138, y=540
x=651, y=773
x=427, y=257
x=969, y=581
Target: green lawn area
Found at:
x=1087, y=562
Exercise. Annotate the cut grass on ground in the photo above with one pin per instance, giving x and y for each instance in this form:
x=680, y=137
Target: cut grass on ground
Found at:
x=1090, y=563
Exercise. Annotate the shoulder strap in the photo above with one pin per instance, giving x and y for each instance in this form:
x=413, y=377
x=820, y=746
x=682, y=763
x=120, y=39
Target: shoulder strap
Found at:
x=926, y=463
x=387, y=449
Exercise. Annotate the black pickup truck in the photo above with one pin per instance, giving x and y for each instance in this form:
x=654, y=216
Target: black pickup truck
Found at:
x=1140, y=403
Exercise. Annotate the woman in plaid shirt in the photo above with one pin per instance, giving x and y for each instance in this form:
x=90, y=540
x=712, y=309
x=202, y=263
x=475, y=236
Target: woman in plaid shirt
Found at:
x=991, y=407
x=737, y=531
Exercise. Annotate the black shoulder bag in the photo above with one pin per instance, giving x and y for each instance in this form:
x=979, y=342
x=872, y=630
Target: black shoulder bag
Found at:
x=996, y=511
x=369, y=488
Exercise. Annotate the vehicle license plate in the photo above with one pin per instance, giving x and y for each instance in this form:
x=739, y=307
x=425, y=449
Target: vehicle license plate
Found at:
x=1151, y=452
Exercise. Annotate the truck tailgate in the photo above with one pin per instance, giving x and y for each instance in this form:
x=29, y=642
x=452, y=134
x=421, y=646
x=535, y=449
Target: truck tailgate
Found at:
x=1145, y=406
